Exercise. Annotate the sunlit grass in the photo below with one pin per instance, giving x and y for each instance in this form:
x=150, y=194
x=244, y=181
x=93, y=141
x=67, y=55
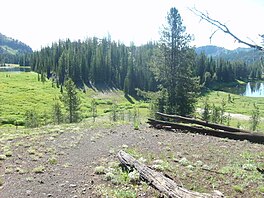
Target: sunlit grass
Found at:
x=238, y=105
x=21, y=92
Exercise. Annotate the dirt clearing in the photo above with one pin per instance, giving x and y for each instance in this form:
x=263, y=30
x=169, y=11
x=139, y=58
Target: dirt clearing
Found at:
x=65, y=163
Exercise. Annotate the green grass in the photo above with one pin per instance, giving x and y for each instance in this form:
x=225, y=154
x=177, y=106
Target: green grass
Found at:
x=238, y=105
x=21, y=92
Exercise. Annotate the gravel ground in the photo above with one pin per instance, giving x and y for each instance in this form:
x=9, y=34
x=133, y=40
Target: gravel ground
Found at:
x=61, y=164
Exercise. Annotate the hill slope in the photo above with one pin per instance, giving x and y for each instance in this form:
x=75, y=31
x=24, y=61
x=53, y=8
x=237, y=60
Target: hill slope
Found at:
x=248, y=55
x=11, y=46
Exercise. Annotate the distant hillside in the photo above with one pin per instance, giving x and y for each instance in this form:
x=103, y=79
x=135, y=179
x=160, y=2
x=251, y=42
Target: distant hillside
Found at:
x=12, y=46
x=248, y=55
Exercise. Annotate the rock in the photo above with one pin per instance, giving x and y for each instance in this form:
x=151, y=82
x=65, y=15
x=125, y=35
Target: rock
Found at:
x=73, y=185
x=28, y=192
x=49, y=195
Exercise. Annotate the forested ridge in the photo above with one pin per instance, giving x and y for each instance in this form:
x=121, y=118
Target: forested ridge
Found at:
x=97, y=61
x=11, y=50
x=103, y=61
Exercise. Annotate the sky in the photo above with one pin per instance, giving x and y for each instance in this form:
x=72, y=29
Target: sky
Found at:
x=38, y=23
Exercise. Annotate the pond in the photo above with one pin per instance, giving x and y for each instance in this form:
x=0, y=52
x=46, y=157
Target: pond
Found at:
x=15, y=69
x=250, y=89
x=254, y=90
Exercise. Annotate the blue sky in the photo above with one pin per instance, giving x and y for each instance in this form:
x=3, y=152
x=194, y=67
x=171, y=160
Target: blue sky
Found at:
x=41, y=22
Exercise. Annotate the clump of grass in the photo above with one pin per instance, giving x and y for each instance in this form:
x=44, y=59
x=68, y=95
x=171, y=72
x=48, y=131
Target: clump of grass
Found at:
x=66, y=165
x=134, y=176
x=99, y=170
x=249, y=167
x=199, y=163
x=31, y=151
x=238, y=188
x=53, y=160
x=39, y=169
x=8, y=153
x=9, y=170
x=183, y=161
x=109, y=176
x=261, y=189
x=2, y=157
x=125, y=194
x=1, y=181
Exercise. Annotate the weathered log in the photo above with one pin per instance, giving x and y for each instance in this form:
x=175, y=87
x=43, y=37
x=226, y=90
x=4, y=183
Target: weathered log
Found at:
x=164, y=184
x=252, y=137
x=203, y=123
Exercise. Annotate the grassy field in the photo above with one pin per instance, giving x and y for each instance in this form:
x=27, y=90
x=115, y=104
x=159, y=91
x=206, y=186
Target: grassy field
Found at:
x=235, y=104
x=22, y=91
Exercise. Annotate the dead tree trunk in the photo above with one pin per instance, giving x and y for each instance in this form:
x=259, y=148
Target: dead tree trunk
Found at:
x=252, y=137
x=203, y=123
x=159, y=181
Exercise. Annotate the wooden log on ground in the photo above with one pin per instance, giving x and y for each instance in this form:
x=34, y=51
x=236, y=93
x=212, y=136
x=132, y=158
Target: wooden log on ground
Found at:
x=164, y=184
x=203, y=123
x=252, y=137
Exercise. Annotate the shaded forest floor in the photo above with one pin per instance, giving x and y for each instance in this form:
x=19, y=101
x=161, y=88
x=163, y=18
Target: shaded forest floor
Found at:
x=80, y=161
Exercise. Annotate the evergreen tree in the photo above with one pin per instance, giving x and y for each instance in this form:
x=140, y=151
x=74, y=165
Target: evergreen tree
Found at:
x=174, y=72
x=71, y=101
x=57, y=112
x=94, y=109
x=31, y=119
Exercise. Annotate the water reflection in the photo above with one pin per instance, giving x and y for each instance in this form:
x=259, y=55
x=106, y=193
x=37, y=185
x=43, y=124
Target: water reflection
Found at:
x=254, y=90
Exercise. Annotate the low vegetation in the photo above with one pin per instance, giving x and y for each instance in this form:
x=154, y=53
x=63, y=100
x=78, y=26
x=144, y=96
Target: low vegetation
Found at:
x=223, y=105
x=31, y=103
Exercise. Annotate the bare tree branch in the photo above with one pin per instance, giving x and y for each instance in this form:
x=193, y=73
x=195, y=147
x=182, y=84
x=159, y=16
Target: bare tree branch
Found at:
x=223, y=28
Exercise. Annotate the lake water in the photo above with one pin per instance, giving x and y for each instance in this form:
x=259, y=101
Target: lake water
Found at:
x=15, y=69
x=254, y=89
x=251, y=89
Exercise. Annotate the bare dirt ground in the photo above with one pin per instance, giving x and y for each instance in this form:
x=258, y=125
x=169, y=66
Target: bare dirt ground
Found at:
x=62, y=163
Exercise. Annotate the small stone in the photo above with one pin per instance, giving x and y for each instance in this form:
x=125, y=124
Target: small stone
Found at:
x=28, y=192
x=73, y=185
x=49, y=195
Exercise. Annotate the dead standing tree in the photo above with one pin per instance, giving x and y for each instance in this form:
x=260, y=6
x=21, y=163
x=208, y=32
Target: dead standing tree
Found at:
x=224, y=28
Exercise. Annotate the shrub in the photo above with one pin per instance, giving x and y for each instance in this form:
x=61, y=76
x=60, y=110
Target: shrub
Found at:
x=255, y=117
x=31, y=119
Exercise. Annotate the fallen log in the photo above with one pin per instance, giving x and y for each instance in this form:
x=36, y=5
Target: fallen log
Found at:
x=252, y=137
x=164, y=184
x=203, y=123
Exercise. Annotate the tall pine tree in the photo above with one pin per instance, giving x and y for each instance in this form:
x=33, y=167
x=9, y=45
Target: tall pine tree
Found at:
x=174, y=66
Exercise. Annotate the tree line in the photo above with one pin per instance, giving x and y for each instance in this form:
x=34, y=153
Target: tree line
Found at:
x=211, y=70
x=97, y=61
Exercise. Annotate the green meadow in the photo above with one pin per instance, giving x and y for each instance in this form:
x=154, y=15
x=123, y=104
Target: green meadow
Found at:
x=235, y=104
x=21, y=91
